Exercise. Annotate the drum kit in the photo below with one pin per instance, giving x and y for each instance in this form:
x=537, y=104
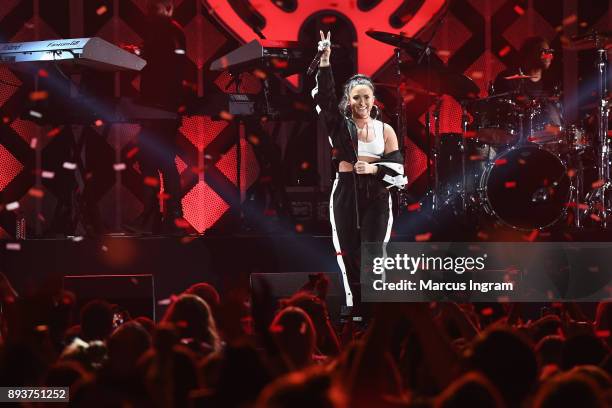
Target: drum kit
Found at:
x=517, y=162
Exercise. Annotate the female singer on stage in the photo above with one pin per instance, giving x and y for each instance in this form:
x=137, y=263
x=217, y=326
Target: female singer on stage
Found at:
x=367, y=162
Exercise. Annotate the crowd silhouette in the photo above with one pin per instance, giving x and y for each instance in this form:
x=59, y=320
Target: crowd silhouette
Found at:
x=248, y=350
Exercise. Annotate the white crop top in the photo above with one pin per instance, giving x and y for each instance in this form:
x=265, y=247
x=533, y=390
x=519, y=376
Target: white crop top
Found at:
x=376, y=147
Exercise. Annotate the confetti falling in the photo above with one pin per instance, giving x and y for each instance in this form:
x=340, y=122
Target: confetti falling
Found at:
x=46, y=174
x=39, y=95
x=101, y=10
x=119, y=166
x=36, y=192
x=423, y=237
x=414, y=207
x=226, y=115
x=570, y=19
x=504, y=51
x=500, y=162
x=69, y=166
x=151, y=181
x=12, y=206
x=487, y=311
x=54, y=132
x=13, y=246
x=36, y=114
x=132, y=152
x=533, y=235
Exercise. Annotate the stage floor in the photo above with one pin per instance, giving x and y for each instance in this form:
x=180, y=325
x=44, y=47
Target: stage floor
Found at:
x=175, y=263
x=227, y=262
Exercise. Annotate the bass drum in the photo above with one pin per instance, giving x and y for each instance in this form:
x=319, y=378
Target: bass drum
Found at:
x=526, y=187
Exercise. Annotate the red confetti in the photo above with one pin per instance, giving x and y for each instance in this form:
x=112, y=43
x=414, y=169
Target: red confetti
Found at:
x=595, y=217
x=482, y=235
x=226, y=115
x=39, y=95
x=6, y=119
x=98, y=122
x=414, y=207
x=570, y=19
x=36, y=192
x=54, y=132
x=151, y=181
x=423, y=237
x=510, y=184
x=305, y=165
x=299, y=227
x=500, y=162
x=182, y=223
x=504, y=51
x=187, y=240
x=132, y=152
x=42, y=73
x=519, y=10
x=101, y=10
x=487, y=311
x=254, y=140
x=602, y=334
x=532, y=237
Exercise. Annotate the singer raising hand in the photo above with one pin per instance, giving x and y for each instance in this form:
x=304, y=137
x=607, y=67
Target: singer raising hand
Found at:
x=367, y=163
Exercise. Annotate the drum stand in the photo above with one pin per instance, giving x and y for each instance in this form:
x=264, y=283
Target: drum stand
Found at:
x=436, y=201
x=598, y=200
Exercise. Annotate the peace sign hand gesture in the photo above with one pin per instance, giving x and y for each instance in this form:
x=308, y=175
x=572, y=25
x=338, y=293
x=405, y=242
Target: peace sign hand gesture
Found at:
x=325, y=45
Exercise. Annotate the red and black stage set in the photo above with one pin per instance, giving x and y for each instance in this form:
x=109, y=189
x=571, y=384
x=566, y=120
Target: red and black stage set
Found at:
x=93, y=139
x=188, y=189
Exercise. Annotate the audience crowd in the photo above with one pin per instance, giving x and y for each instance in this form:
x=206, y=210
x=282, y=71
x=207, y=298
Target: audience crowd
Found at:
x=250, y=350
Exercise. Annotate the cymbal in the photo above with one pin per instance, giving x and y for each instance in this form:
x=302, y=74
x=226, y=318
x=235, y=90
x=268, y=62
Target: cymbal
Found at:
x=518, y=76
x=441, y=80
x=397, y=40
x=589, y=41
x=592, y=35
x=412, y=46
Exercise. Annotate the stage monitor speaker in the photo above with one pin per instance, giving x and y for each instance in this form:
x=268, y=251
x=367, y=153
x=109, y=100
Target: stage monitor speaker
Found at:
x=284, y=285
x=134, y=293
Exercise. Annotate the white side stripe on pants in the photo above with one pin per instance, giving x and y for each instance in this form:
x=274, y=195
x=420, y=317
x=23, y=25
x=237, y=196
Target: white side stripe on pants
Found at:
x=347, y=289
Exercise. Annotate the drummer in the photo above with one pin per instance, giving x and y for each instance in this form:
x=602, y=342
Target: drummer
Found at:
x=536, y=56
